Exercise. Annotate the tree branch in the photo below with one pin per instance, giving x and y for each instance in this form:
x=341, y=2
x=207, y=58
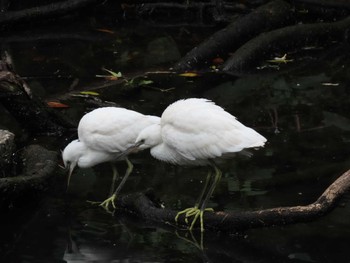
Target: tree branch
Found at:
x=140, y=205
x=51, y=10
x=248, y=56
x=267, y=17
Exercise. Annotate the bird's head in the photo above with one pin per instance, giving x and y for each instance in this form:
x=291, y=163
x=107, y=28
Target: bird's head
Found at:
x=71, y=155
x=149, y=137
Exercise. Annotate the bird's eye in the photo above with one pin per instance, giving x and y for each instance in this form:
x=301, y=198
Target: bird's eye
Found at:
x=140, y=142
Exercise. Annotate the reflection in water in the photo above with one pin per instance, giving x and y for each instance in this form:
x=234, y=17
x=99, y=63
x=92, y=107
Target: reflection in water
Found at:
x=309, y=151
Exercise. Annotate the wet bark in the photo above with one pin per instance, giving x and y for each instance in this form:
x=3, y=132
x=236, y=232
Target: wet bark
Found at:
x=270, y=16
x=143, y=207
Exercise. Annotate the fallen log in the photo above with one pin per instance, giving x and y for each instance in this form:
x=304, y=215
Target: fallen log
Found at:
x=141, y=206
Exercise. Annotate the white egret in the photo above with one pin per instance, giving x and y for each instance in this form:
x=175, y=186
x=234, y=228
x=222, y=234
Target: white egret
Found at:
x=197, y=132
x=104, y=134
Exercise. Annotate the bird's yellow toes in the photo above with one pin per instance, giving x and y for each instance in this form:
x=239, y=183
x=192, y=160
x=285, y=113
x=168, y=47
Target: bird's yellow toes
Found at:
x=109, y=202
x=196, y=213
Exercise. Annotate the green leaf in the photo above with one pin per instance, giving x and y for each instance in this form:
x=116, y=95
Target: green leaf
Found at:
x=92, y=93
x=114, y=74
x=146, y=82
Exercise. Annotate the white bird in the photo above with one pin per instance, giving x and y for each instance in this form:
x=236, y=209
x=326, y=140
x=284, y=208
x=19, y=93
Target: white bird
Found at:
x=104, y=134
x=197, y=132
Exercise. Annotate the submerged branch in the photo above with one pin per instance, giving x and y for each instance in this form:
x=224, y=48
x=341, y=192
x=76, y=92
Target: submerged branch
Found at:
x=143, y=207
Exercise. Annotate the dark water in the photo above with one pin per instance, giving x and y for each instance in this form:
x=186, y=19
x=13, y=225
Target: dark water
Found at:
x=302, y=111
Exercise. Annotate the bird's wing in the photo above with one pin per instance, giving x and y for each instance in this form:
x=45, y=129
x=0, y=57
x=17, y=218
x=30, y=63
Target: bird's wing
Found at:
x=207, y=132
x=112, y=130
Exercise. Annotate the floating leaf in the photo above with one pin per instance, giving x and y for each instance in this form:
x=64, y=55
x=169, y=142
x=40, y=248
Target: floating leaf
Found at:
x=92, y=93
x=280, y=59
x=55, y=104
x=189, y=74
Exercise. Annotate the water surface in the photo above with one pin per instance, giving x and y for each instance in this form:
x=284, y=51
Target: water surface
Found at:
x=303, y=112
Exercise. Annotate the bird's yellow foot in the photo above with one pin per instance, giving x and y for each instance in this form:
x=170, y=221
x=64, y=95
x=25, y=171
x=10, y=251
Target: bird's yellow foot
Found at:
x=106, y=204
x=195, y=212
x=109, y=202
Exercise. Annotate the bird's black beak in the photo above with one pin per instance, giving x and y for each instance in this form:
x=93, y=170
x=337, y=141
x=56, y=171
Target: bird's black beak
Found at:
x=132, y=149
x=71, y=168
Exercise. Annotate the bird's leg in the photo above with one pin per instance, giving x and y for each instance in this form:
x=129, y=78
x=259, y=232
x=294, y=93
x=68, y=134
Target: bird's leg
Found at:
x=195, y=211
x=192, y=210
x=200, y=197
x=114, y=179
x=217, y=177
x=106, y=203
x=200, y=212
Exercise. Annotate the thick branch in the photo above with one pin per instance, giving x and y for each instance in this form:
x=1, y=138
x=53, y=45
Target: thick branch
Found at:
x=140, y=205
x=272, y=15
x=51, y=10
x=248, y=56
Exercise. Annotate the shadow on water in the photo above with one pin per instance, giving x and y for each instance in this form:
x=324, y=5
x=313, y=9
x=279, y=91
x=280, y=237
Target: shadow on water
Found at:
x=304, y=113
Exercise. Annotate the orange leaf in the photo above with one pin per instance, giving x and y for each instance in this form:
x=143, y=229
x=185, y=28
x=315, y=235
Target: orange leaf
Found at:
x=55, y=104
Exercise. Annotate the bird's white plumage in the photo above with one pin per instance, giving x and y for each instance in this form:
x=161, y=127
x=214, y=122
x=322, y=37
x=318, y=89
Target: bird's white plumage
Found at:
x=104, y=133
x=112, y=129
x=193, y=131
